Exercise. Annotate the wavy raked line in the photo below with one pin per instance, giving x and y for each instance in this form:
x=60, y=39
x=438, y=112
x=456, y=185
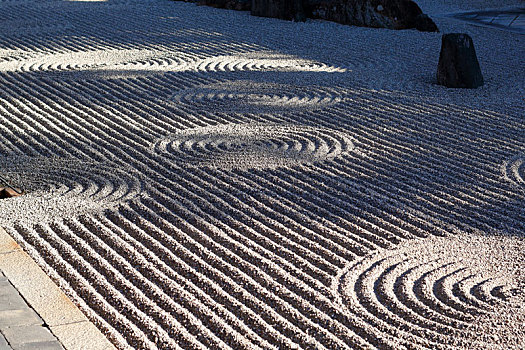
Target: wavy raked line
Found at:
x=123, y=59
x=228, y=258
x=251, y=97
x=22, y=28
x=263, y=62
x=441, y=293
x=514, y=170
x=244, y=146
x=64, y=187
x=148, y=60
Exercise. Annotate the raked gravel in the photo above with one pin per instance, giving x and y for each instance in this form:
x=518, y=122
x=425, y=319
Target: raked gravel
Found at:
x=201, y=178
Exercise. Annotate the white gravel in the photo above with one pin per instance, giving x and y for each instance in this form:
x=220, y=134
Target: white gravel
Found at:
x=200, y=178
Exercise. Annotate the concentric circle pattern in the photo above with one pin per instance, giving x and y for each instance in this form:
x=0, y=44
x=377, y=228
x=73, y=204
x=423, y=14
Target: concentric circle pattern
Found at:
x=143, y=60
x=454, y=292
x=64, y=187
x=108, y=60
x=270, y=155
x=264, y=62
x=515, y=170
x=250, y=97
x=244, y=146
x=170, y=63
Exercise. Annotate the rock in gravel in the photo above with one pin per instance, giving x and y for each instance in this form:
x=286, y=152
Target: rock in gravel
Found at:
x=7, y=192
x=283, y=9
x=458, y=65
x=392, y=14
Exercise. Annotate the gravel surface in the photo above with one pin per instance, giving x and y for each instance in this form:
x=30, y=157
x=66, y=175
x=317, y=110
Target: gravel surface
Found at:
x=200, y=178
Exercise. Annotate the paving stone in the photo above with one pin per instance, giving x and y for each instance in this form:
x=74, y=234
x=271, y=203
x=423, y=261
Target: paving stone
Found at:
x=49, y=345
x=70, y=328
x=8, y=304
x=21, y=317
x=22, y=336
x=3, y=341
x=10, y=299
x=37, y=288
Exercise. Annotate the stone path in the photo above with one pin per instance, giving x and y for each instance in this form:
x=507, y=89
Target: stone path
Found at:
x=509, y=19
x=20, y=326
x=52, y=321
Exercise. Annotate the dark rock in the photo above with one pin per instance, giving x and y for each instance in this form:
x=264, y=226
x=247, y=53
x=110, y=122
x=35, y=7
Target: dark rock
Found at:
x=239, y=5
x=7, y=192
x=423, y=23
x=283, y=9
x=392, y=14
x=458, y=65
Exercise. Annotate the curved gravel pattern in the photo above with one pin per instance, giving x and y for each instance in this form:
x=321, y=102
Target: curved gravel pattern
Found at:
x=245, y=146
x=130, y=59
x=204, y=179
x=150, y=60
x=262, y=61
x=245, y=96
x=515, y=170
x=442, y=293
x=55, y=187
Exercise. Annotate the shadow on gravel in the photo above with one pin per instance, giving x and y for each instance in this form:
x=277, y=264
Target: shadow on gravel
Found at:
x=187, y=249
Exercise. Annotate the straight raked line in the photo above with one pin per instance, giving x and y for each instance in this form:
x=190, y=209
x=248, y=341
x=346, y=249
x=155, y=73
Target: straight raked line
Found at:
x=69, y=325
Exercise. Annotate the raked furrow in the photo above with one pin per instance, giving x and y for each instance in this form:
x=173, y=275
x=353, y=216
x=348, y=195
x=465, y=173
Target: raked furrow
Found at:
x=203, y=179
x=514, y=170
x=245, y=96
x=439, y=297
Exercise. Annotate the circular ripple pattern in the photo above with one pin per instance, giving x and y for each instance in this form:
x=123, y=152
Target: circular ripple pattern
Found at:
x=160, y=63
x=250, y=97
x=515, y=170
x=263, y=62
x=115, y=59
x=59, y=187
x=455, y=292
x=143, y=60
x=244, y=146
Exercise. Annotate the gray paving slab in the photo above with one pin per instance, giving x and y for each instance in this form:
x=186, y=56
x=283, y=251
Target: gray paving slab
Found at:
x=3, y=341
x=20, y=326
x=43, y=302
x=21, y=317
x=31, y=337
x=10, y=299
x=52, y=345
